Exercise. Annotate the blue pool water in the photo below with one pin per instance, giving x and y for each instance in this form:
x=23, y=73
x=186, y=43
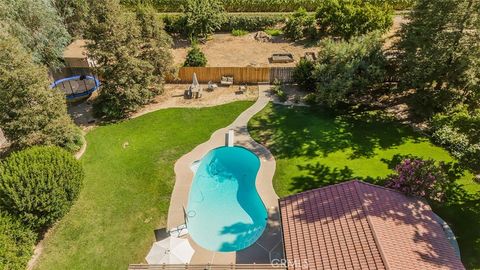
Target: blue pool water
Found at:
x=225, y=212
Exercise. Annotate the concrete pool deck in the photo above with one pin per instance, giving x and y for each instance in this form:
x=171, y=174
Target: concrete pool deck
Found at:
x=269, y=246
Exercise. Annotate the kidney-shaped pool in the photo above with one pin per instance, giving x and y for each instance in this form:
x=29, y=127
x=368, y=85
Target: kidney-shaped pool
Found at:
x=225, y=212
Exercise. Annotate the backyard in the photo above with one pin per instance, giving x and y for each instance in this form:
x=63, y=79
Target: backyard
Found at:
x=315, y=148
x=126, y=193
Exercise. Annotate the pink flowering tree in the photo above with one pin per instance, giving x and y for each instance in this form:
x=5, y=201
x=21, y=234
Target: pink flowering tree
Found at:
x=422, y=178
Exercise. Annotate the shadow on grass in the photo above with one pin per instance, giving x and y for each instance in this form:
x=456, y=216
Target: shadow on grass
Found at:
x=292, y=132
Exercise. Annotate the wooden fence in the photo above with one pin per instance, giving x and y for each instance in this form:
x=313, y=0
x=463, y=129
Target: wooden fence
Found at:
x=282, y=74
x=239, y=74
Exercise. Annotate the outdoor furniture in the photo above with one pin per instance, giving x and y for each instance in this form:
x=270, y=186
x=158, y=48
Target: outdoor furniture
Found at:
x=211, y=86
x=242, y=89
x=171, y=250
x=194, y=90
x=179, y=231
x=281, y=58
x=226, y=80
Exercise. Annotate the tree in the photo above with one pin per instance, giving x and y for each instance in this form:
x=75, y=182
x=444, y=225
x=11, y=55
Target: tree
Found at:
x=195, y=57
x=38, y=27
x=30, y=112
x=16, y=243
x=439, y=54
x=156, y=44
x=203, y=17
x=39, y=185
x=128, y=59
x=74, y=14
x=303, y=75
x=347, y=69
x=299, y=25
x=348, y=18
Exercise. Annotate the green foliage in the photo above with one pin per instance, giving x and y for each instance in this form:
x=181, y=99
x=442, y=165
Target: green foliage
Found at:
x=74, y=14
x=175, y=24
x=439, y=55
x=16, y=243
x=256, y=5
x=303, y=75
x=39, y=185
x=348, y=18
x=300, y=25
x=132, y=55
x=195, y=57
x=273, y=32
x=203, y=17
x=459, y=131
x=347, y=69
x=239, y=33
x=277, y=89
x=30, y=112
x=38, y=27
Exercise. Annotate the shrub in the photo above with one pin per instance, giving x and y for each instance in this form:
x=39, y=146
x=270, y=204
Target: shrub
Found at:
x=345, y=70
x=277, y=89
x=303, y=75
x=348, y=18
x=273, y=32
x=421, y=178
x=239, y=33
x=310, y=99
x=16, y=243
x=38, y=185
x=300, y=25
x=195, y=58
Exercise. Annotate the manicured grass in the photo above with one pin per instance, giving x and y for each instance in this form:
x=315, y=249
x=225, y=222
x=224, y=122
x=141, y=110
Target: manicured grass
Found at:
x=126, y=193
x=314, y=148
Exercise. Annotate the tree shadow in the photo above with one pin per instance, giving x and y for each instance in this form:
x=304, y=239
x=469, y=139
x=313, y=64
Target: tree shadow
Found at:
x=309, y=132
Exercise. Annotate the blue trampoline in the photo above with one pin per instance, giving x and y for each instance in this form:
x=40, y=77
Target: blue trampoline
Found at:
x=76, y=87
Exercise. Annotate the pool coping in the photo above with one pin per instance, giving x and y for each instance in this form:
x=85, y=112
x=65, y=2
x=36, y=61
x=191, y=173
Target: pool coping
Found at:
x=264, y=185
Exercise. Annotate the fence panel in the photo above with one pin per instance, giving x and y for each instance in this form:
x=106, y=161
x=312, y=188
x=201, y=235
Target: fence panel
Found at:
x=283, y=74
x=214, y=74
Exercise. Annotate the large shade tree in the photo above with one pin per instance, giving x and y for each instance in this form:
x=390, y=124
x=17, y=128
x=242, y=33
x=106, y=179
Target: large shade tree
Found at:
x=203, y=17
x=131, y=57
x=74, y=14
x=38, y=27
x=440, y=53
x=30, y=112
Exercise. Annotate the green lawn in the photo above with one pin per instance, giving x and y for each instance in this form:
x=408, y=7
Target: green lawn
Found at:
x=126, y=193
x=314, y=148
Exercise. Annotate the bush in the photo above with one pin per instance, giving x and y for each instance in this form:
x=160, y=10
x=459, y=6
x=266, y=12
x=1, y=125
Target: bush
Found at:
x=303, y=75
x=421, y=178
x=300, y=25
x=273, y=32
x=348, y=18
x=346, y=70
x=195, y=58
x=239, y=33
x=459, y=131
x=277, y=89
x=38, y=185
x=16, y=243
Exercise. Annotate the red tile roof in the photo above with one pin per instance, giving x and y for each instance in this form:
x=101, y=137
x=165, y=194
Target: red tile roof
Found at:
x=355, y=225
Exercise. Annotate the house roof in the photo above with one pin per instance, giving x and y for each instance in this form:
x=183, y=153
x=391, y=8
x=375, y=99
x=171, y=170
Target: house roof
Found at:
x=355, y=225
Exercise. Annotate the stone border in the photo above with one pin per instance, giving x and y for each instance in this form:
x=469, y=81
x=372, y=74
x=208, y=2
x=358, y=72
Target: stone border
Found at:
x=184, y=177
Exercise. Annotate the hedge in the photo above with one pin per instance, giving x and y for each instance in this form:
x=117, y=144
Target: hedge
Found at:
x=174, y=23
x=16, y=243
x=254, y=5
x=38, y=185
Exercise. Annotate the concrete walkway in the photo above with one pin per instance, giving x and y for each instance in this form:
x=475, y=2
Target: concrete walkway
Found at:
x=269, y=245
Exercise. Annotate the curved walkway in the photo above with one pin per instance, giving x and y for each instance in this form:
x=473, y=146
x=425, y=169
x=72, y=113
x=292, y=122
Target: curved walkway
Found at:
x=269, y=245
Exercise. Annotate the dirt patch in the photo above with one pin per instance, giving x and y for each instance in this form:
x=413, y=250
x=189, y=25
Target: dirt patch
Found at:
x=225, y=50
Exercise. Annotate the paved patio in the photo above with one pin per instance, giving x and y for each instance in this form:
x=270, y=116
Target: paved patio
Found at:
x=269, y=246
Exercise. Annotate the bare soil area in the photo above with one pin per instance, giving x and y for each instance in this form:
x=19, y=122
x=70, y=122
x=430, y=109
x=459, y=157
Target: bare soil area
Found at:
x=226, y=50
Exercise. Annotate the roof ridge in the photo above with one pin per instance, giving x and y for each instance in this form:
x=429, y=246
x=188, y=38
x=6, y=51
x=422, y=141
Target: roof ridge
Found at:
x=369, y=221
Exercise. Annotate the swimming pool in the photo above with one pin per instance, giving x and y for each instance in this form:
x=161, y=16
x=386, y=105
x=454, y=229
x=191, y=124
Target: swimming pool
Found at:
x=225, y=212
